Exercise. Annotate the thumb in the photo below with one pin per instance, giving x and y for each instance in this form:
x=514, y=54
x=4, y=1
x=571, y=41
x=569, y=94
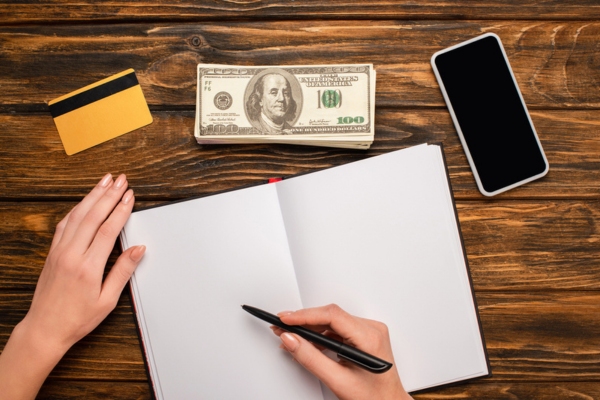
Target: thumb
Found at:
x=120, y=273
x=311, y=358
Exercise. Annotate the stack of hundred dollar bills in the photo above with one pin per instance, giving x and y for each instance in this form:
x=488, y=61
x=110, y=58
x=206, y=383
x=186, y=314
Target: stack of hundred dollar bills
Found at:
x=319, y=105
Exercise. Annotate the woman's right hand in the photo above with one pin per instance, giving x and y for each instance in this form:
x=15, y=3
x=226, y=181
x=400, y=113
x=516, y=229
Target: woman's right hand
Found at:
x=346, y=380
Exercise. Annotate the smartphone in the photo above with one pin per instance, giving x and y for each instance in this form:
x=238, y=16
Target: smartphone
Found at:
x=490, y=115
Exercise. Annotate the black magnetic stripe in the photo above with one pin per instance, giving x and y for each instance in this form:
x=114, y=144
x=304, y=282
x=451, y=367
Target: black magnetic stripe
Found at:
x=93, y=94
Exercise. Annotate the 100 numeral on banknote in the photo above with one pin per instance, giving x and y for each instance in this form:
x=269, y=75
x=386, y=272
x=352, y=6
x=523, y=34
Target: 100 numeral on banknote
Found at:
x=327, y=100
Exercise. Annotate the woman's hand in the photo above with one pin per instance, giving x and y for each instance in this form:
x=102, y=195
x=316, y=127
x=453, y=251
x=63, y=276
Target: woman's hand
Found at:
x=70, y=298
x=346, y=380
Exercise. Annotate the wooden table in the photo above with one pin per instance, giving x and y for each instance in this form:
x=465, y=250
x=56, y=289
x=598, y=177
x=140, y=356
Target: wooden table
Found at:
x=533, y=251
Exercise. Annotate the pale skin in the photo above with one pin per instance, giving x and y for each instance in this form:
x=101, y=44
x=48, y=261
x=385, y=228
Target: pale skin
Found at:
x=71, y=299
x=275, y=97
x=346, y=380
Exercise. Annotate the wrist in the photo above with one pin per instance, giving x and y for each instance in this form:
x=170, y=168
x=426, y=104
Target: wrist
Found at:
x=36, y=342
x=26, y=361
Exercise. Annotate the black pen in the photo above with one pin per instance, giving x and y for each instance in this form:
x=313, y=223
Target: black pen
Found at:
x=358, y=357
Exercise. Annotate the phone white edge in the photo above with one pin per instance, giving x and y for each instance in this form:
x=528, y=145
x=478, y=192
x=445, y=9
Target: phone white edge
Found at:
x=457, y=126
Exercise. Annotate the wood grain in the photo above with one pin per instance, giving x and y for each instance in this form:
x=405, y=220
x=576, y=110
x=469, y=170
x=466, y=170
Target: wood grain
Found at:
x=543, y=337
x=516, y=391
x=511, y=245
x=111, y=352
x=527, y=246
x=533, y=251
x=67, y=390
x=90, y=390
x=163, y=160
x=24, y=11
x=557, y=64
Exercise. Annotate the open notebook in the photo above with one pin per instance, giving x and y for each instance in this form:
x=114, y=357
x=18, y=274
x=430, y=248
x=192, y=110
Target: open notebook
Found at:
x=379, y=237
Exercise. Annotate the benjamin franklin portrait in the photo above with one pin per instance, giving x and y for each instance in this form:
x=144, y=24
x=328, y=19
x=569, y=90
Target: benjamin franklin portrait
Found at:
x=271, y=107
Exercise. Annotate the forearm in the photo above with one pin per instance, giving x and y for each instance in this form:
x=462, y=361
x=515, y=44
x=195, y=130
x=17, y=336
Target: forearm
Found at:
x=71, y=297
x=25, y=362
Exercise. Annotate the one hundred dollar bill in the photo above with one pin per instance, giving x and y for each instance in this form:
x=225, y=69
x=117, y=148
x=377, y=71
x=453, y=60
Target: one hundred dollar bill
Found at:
x=327, y=105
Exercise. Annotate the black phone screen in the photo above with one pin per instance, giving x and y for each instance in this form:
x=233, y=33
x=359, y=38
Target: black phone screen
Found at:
x=491, y=115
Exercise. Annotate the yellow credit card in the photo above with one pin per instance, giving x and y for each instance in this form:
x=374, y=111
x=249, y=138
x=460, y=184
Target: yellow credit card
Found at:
x=100, y=112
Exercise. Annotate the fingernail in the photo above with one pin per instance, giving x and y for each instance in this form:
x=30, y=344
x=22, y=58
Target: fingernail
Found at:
x=128, y=196
x=120, y=181
x=289, y=341
x=105, y=180
x=137, y=253
x=284, y=313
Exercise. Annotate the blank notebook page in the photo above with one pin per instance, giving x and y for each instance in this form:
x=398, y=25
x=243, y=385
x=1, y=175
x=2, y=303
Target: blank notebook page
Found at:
x=205, y=258
x=379, y=238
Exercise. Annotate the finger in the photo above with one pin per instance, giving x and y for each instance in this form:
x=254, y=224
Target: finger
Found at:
x=120, y=274
x=278, y=331
x=58, y=232
x=104, y=241
x=333, y=335
x=79, y=212
x=342, y=323
x=312, y=359
x=316, y=328
x=98, y=213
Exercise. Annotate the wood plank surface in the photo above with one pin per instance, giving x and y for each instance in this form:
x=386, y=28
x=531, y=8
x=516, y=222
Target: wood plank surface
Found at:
x=542, y=336
x=517, y=391
x=532, y=246
x=24, y=11
x=111, y=352
x=511, y=245
x=36, y=166
x=74, y=390
x=533, y=251
x=537, y=337
x=66, y=390
x=556, y=63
